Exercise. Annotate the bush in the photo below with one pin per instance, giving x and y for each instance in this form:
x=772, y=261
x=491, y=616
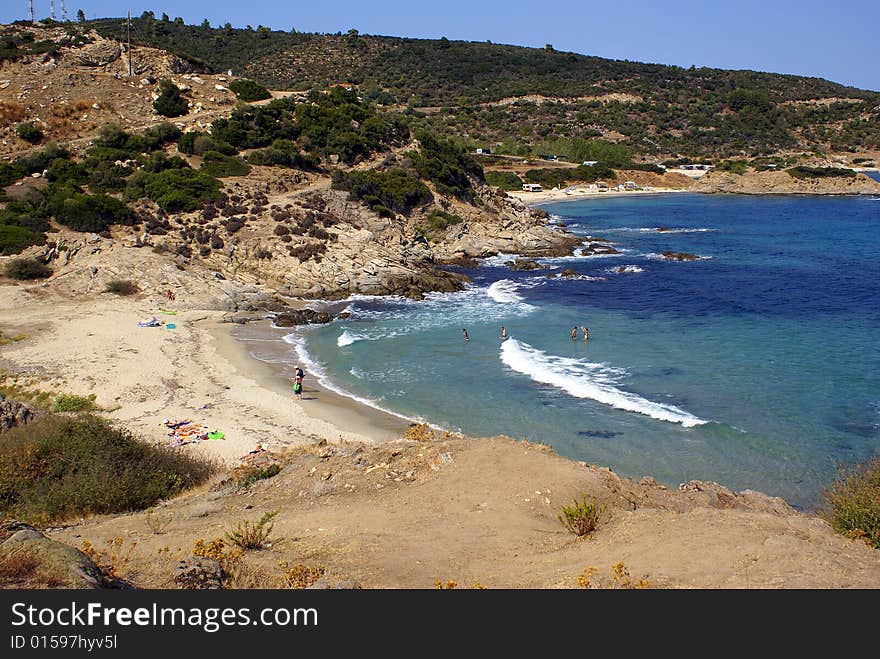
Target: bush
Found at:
x=121, y=287
x=29, y=132
x=581, y=518
x=13, y=239
x=852, y=503
x=218, y=165
x=170, y=103
x=248, y=90
x=253, y=535
x=504, y=180
x=802, y=172
x=59, y=468
x=175, y=190
x=448, y=166
x=394, y=189
x=94, y=213
x=438, y=221
x=73, y=403
x=24, y=269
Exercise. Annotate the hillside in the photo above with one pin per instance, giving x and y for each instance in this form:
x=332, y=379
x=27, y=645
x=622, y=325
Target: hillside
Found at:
x=518, y=98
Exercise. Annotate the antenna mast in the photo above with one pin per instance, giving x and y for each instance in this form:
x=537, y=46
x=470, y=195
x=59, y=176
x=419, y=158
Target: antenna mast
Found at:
x=129, y=43
x=63, y=11
x=52, y=9
x=31, y=11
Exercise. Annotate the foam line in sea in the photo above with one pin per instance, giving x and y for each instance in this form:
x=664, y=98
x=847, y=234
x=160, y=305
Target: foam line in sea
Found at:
x=587, y=380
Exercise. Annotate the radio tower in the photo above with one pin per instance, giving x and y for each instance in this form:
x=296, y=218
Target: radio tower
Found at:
x=52, y=9
x=63, y=11
x=31, y=11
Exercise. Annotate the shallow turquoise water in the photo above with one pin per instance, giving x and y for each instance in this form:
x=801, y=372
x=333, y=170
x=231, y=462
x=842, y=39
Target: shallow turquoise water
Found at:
x=756, y=366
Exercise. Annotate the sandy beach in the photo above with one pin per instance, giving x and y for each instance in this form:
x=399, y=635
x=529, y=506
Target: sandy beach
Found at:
x=142, y=376
x=577, y=193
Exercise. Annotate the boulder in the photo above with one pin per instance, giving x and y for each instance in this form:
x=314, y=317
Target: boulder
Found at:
x=98, y=54
x=302, y=317
x=680, y=256
x=568, y=272
x=46, y=562
x=524, y=264
x=14, y=413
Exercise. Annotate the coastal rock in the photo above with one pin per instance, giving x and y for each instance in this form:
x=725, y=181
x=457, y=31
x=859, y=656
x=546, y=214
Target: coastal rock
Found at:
x=13, y=413
x=568, y=272
x=51, y=563
x=680, y=256
x=524, y=264
x=302, y=317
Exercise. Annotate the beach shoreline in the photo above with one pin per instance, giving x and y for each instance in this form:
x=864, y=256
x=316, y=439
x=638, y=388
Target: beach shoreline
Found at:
x=579, y=193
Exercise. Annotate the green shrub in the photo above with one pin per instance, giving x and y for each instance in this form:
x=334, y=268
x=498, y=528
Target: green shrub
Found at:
x=449, y=167
x=248, y=90
x=13, y=239
x=802, y=172
x=160, y=135
x=24, y=269
x=852, y=503
x=175, y=190
x=170, y=103
x=394, y=189
x=437, y=221
x=581, y=517
x=9, y=174
x=284, y=153
x=73, y=403
x=60, y=468
x=82, y=212
x=29, y=132
x=735, y=166
x=218, y=165
x=258, y=475
x=504, y=180
x=253, y=535
x=121, y=287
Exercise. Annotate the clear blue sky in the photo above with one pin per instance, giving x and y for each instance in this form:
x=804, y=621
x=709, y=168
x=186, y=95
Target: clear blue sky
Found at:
x=834, y=39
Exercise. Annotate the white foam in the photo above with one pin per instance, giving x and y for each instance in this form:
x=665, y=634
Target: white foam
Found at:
x=346, y=338
x=499, y=260
x=315, y=369
x=504, y=291
x=624, y=269
x=584, y=379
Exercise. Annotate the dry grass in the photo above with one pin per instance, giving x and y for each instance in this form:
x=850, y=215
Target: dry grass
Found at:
x=11, y=113
x=581, y=517
x=852, y=503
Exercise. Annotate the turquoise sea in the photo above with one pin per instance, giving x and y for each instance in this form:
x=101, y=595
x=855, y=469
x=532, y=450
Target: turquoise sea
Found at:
x=757, y=365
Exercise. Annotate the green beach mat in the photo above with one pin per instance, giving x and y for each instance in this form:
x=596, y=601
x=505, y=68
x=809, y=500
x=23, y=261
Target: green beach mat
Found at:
x=168, y=313
x=217, y=434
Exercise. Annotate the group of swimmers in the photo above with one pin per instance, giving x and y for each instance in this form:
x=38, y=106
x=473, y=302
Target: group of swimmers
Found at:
x=504, y=335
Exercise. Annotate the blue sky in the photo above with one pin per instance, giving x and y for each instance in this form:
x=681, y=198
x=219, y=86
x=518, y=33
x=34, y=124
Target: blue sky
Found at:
x=838, y=40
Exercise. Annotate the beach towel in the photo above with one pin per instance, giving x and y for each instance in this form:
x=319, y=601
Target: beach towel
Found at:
x=153, y=322
x=170, y=326
x=217, y=434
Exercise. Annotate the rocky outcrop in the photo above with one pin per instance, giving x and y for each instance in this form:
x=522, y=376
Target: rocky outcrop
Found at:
x=524, y=265
x=773, y=182
x=100, y=53
x=680, y=256
x=41, y=561
x=302, y=317
x=14, y=413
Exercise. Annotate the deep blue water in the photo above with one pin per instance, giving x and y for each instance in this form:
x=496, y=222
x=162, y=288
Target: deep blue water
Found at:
x=756, y=366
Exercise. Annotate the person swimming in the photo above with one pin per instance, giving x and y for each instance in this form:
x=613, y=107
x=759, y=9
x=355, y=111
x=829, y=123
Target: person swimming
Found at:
x=585, y=331
x=574, y=333
x=503, y=332
x=464, y=331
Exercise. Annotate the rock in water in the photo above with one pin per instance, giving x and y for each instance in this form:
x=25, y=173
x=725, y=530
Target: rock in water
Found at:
x=680, y=256
x=302, y=317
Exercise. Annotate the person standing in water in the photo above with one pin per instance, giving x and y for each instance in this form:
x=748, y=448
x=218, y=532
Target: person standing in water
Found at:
x=503, y=332
x=574, y=333
x=464, y=331
x=585, y=331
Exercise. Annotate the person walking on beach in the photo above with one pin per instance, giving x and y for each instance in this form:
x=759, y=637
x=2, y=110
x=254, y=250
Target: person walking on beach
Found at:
x=574, y=333
x=503, y=332
x=585, y=331
x=298, y=382
x=464, y=331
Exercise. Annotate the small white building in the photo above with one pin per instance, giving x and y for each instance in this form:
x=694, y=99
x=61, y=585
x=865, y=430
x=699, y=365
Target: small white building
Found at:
x=532, y=187
x=589, y=163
